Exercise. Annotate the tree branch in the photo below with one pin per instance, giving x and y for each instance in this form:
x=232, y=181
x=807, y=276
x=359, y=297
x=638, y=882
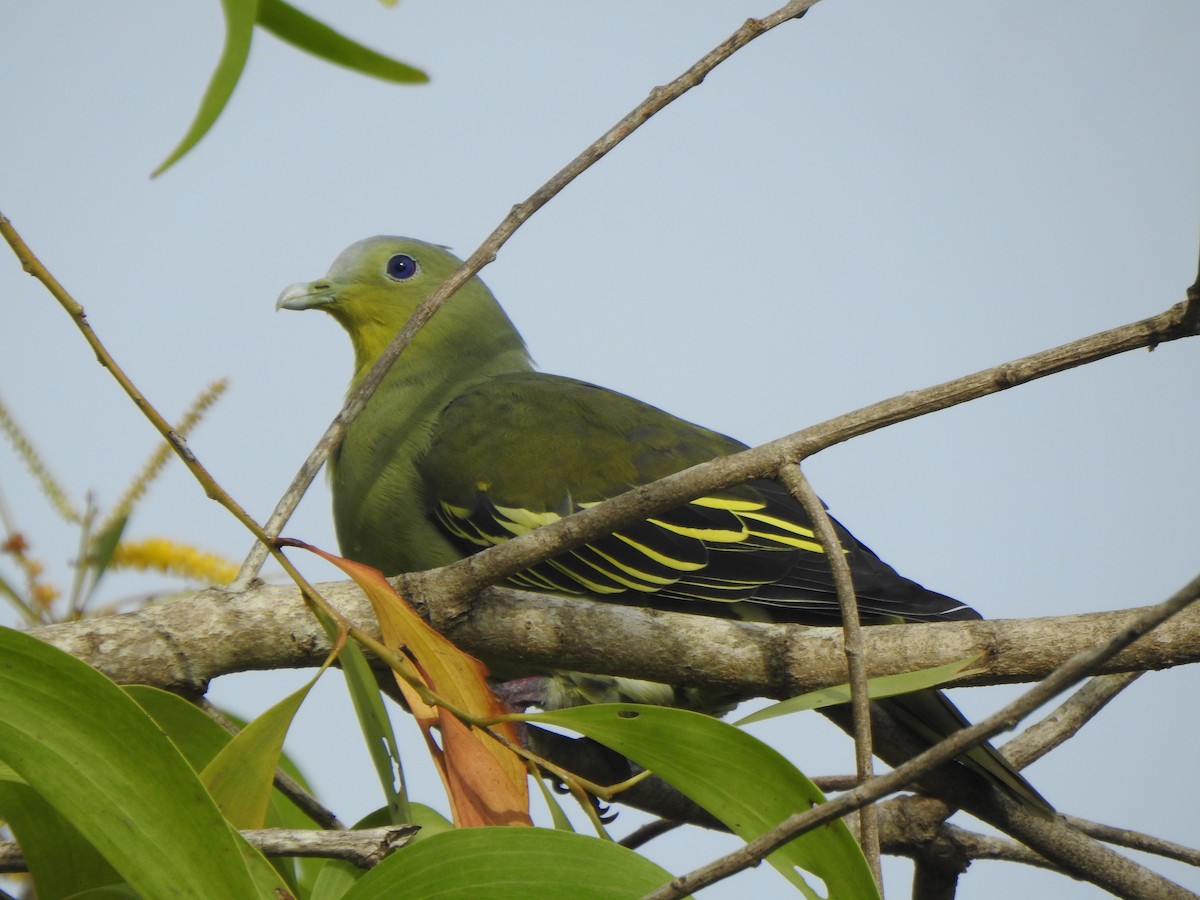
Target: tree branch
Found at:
x=364, y=848
x=184, y=644
x=1065, y=721
x=856, y=663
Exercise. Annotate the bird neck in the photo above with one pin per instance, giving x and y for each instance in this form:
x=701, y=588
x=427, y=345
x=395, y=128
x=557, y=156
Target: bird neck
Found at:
x=469, y=338
x=461, y=346
x=378, y=505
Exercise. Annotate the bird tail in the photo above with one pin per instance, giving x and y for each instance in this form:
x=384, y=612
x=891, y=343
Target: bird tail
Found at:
x=931, y=716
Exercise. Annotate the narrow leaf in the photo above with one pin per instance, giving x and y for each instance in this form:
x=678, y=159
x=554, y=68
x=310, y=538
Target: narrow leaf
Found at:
x=749, y=786
x=47, y=840
x=239, y=29
x=242, y=775
x=200, y=739
x=376, y=729
x=196, y=735
x=103, y=546
x=883, y=686
x=289, y=24
x=557, y=815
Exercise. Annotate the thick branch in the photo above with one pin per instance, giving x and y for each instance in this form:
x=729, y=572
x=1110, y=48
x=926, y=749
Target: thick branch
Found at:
x=184, y=644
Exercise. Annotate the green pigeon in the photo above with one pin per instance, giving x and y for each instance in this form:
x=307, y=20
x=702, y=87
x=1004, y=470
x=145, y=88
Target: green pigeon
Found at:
x=464, y=445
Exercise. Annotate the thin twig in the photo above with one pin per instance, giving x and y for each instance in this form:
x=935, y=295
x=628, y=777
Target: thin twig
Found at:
x=856, y=662
x=1063, y=722
x=34, y=267
x=832, y=784
x=659, y=98
x=1135, y=840
x=1073, y=670
x=364, y=848
x=325, y=613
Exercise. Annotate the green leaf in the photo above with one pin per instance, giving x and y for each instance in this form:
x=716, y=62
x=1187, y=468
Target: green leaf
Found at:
x=749, y=786
x=197, y=736
x=376, y=730
x=104, y=545
x=239, y=29
x=242, y=775
x=108, y=892
x=883, y=686
x=336, y=878
x=510, y=864
x=289, y=24
x=104, y=766
x=46, y=840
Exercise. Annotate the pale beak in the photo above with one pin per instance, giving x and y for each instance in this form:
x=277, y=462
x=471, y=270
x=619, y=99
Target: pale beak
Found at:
x=306, y=295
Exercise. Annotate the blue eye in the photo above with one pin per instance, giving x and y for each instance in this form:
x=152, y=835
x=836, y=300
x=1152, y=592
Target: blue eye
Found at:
x=401, y=267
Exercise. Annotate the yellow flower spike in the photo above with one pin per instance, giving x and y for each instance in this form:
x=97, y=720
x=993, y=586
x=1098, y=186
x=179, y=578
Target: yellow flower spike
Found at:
x=33, y=461
x=173, y=558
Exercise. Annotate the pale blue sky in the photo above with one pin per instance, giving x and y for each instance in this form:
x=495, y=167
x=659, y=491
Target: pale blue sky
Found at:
x=877, y=198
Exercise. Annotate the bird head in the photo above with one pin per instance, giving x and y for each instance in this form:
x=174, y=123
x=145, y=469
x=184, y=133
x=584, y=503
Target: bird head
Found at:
x=374, y=286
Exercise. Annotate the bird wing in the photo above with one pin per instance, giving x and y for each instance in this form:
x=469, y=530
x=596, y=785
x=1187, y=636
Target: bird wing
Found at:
x=520, y=451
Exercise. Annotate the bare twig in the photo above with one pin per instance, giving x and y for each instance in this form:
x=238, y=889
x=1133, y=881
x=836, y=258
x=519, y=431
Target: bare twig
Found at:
x=1040, y=738
x=31, y=264
x=659, y=98
x=1135, y=840
x=648, y=832
x=364, y=848
x=327, y=615
x=856, y=663
x=901, y=839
